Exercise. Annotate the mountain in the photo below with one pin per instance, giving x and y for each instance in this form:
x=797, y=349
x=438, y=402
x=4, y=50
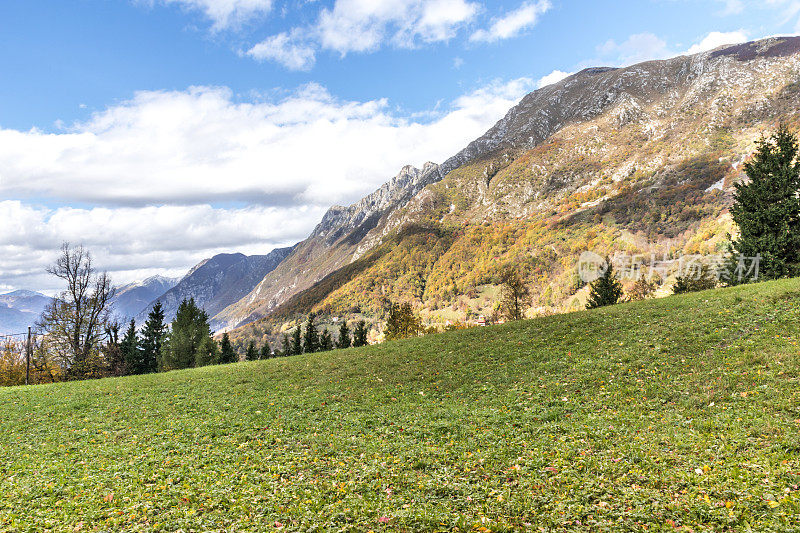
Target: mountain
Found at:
x=639, y=160
x=20, y=309
x=131, y=299
x=218, y=282
x=343, y=235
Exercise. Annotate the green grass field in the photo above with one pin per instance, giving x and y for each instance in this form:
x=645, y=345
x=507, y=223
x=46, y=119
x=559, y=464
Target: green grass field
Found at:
x=678, y=414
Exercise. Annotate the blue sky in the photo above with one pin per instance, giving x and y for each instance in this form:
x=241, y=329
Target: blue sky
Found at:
x=71, y=58
x=184, y=128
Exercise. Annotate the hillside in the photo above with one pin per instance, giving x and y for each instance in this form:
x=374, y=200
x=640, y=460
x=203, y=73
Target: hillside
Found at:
x=217, y=282
x=636, y=160
x=671, y=414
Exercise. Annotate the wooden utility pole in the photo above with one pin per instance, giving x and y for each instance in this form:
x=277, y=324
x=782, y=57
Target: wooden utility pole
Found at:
x=28, y=358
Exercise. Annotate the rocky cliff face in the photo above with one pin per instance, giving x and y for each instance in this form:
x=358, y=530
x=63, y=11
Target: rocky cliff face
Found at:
x=342, y=236
x=630, y=157
x=217, y=282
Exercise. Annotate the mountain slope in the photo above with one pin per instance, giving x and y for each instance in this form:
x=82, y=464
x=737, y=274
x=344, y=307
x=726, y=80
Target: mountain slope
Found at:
x=218, y=282
x=20, y=309
x=131, y=299
x=638, y=160
x=675, y=414
x=343, y=235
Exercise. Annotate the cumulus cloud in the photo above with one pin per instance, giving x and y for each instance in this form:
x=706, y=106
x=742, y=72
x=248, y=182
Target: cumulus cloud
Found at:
x=223, y=13
x=286, y=50
x=134, y=241
x=647, y=46
x=364, y=25
x=513, y=23
x=554, y=77
x=635, y=49
x=170, y=177
x=717, y=38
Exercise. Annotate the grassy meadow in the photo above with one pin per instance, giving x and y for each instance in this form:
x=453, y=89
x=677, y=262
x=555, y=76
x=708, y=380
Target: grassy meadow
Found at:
x=677, y=414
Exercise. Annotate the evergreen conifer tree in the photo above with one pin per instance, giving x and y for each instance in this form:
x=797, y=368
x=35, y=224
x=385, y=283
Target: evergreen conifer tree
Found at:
x=344, y=340
x=360, y=334
x=266, y=351
x=189, y=329
x=131, y=351
x=208, y=352
x=251, y=354
x=767, y=210
x=226, y=352
x=297, y=342
x=286, y=347
x=325, y=341
x=310, y=336
x=154, y=334
x=605, y=290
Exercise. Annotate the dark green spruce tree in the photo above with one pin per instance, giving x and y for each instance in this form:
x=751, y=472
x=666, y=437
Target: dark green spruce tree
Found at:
x=325, y=341
x=767, y=211
x=297, y=342
x=131, y=350
x=226, y=352
x=251, y=354
x=286, y=347
x=344, y=340
x=189, y=331
x=360, y=334
x=154, y=334
x=266, y=351
x=605, y=290
x=310, y=336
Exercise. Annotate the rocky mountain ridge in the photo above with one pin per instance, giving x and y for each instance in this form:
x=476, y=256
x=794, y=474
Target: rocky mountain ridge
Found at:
x=639, y=158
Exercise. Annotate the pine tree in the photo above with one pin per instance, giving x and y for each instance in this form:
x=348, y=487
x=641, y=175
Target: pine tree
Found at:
x=131, y=351
x=297, y=343
x=698, y=280
x=344, y=340
x=286, y=347
x=208, y=352
x=112, y=351
x=605, y=290
x=767, y=210
x=251, y=354
x=153, y=336
x=402, y=322
x=325, y=341
x=360, y=334
x=189, y=329
x=266, y=351
x=226, y=352
x=310, y=336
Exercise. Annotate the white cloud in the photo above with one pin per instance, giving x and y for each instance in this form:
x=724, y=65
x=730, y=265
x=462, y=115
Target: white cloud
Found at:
x=149, y=168
x=223, y=13
x=513, y=23
x=647, y=46
x=364, y=25
x=554, y=77
x=285, y=50
x=717, y=38
x=130, y=241
x=635, y=49
x=732, y=7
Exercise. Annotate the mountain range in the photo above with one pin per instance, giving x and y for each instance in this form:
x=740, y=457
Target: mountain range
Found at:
x=20, y=309
x=640, y=160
